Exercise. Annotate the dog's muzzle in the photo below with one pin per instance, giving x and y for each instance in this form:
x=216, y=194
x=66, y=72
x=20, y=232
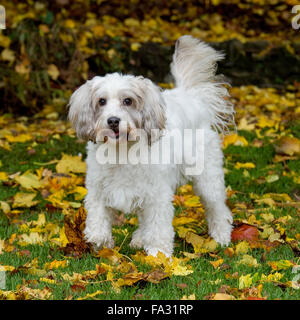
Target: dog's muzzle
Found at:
x=113, y=123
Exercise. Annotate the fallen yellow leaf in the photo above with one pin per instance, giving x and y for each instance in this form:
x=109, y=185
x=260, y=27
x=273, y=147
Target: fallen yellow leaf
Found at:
x=70, y=163
x=22, y=199
x=216, y=263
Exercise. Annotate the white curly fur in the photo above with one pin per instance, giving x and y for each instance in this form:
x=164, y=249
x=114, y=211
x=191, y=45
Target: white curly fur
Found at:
x=197, y=102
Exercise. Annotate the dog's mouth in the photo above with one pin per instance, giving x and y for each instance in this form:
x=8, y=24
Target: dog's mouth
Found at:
x=115, y=134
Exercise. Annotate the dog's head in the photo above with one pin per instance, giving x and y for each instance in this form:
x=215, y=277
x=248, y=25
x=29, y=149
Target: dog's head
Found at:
x=110, y=108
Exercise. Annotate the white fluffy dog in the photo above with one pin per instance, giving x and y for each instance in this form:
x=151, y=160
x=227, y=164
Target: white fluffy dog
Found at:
x=120, y=104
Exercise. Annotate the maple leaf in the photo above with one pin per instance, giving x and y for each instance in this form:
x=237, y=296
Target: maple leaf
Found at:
x=244, y=232
x=74, y=232
x=22, y=199
x=28, y=180
x=201, y=244
x=70, y=163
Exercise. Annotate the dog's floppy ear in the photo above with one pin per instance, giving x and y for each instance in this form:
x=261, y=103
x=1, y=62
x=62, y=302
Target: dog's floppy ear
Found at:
x=82, y=113
x=153, y=113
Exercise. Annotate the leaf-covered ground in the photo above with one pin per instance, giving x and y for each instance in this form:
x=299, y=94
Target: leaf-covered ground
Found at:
x=41, y=218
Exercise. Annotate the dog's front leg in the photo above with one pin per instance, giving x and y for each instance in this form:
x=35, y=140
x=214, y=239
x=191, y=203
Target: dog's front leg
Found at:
x=156, y=228
x=98, y=225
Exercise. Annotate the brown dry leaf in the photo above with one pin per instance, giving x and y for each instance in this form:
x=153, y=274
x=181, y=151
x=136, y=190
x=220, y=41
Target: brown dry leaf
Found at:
x=244, y=232
x=155, y=276
x=40, y=294
x=229, y=252
x=78, y=287
x=130, y=279
x=74, y=232
x=111, y=254
x=279, y=158
x=24, y=67
x=182, y=286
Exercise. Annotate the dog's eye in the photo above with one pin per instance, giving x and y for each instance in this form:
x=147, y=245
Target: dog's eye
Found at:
x=127, y=102
x=102, y=102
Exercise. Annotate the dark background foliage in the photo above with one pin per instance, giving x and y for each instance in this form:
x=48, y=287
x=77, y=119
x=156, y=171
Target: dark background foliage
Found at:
x=79, y=39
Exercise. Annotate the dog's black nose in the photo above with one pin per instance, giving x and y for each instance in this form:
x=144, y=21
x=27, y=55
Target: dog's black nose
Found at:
x=113, y=122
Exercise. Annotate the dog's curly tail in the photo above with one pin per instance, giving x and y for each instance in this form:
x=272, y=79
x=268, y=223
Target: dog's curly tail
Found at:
x=194, y=69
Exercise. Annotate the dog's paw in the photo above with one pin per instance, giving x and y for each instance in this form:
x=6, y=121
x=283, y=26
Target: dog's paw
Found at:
x=99, y=240
x=136, y=242
x=221, y=232
x=154, y=252
x=100, y=244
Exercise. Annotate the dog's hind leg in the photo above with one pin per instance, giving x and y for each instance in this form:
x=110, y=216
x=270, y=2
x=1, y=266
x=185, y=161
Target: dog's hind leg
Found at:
x=210, y=187
x=137, y=238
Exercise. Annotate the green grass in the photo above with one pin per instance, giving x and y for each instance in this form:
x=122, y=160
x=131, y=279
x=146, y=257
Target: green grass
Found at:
x=204, y=280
